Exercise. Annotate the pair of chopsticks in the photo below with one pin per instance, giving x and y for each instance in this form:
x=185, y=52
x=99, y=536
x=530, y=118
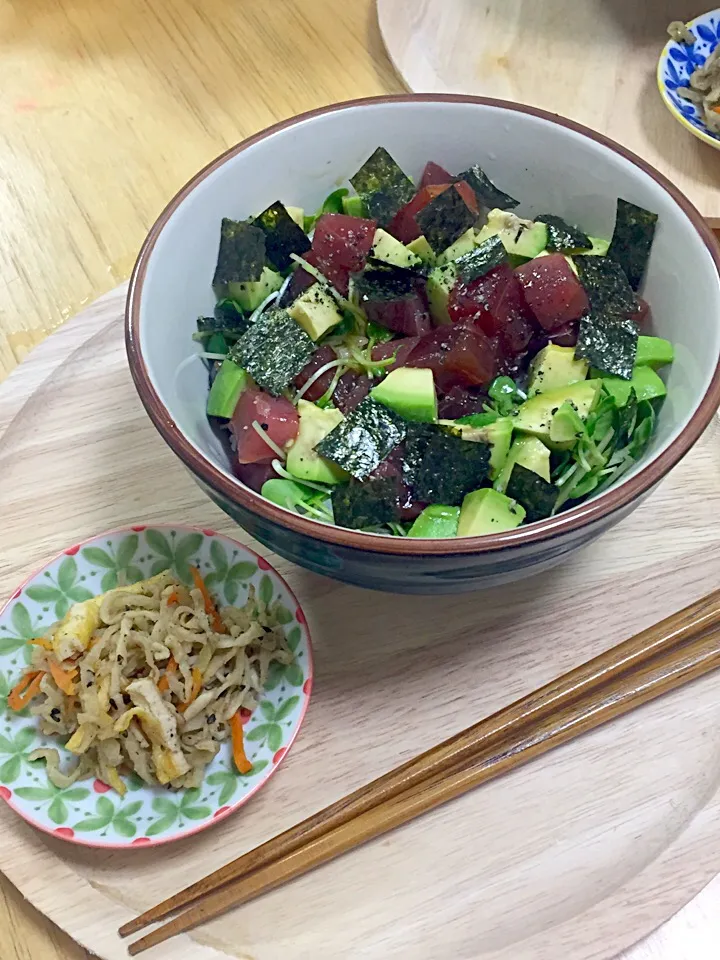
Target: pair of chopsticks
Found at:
x=681, y=648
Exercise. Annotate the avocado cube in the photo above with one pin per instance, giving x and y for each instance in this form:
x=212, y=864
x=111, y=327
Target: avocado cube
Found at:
x=530, y=453
x=536, y=414
x=437, y=522
x=555, y=367
x=654, y=352
x=409, y=391
x=488, y=511
x=386, y=248
x=316, y=311
x=303, y=461
x=440, y=282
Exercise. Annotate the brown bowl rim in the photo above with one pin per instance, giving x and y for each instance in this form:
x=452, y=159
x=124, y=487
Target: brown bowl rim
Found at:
x=584, y=514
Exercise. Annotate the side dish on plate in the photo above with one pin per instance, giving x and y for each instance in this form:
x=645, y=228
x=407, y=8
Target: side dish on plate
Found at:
x=703, y=84
x=418, y=360
x=149, y=679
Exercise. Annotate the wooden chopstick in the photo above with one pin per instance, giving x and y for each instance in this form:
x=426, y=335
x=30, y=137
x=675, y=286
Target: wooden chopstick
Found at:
x=675, y=629
x=440, y=768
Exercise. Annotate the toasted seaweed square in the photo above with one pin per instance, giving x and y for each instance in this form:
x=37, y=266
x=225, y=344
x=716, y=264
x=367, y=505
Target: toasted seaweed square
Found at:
x=383, y=186
x=369, y=503
x=441, y=466
x=606, y=285
x=535, y=494
x=444, y=219
x=273, y=350
x=563, y=236
x=364, y=438
x=282, y=236
x=490, y=254
x=632, y=240
x=485, y=190
x=609, y=342
x=241, y=256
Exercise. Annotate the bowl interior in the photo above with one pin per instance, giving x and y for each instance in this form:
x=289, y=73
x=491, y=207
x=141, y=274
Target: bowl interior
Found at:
x=549, y=166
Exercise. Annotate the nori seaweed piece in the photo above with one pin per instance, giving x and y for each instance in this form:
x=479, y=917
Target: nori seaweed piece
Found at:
x=491, y=253
x=385, y=283
x=632, y=239
x=485, y=190
x=606, y=285
x=231, y=327
x=282, y=236
x=444, y=219
x=533, y=492
x=441, y=466
x=366, y=504
x=609, y=343
x=273, y=350
x=383, y=186
x=364, y=438
x=563, y=236
x=241, y=256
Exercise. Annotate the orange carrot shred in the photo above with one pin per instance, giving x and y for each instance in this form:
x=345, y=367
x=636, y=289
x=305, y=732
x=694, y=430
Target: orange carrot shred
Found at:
x=238, y=744
x=197, y=683
x=170, y=667
x=715, y=109
x=210, y=608
x=41, y=642
x=173, y=598
x=64, y=678
x=23, y=691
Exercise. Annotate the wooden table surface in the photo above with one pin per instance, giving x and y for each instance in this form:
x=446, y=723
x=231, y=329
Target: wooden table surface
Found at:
x=108, y=107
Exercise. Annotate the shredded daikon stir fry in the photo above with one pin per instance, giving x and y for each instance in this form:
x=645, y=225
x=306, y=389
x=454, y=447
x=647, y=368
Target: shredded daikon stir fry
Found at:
x=704, y=83
x=150, y=679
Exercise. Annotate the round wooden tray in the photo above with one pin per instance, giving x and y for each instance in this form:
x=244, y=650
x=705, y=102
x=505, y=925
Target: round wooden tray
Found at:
x=593, y=61
x=576, y=855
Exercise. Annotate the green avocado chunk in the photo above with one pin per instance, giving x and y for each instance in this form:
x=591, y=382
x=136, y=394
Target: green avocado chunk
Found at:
x=530, y=453
x=436, y=521
x=644, y=381
x=654, y=352
x=303, y=461
x=409, y=391
x=487, y=511
x=229, y=383
x=536, y=414
x=555, y=367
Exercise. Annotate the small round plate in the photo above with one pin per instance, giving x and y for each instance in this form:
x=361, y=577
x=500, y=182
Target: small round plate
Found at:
x=89, y=813
x=676, y=64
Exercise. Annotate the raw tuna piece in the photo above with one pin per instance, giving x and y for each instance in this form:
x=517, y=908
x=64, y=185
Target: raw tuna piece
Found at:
x=277, y=418
x=343, y=241
x=461, y=402
x=254, y=475
x=552, y=291
x=300, y=281
x=318, y=359
x=434, y=174
x=338, y=276
x=403, y=225
x=408, y=315
x=496, y=304
x=401, y=348
x=352, y=388
x=458, y=356
x=565, y=336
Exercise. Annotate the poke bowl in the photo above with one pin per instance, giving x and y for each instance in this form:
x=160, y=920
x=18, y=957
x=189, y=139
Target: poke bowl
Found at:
x=427, y=343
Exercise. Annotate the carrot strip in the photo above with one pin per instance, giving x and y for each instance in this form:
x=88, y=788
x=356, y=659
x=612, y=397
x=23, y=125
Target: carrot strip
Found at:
x=210, y=608
x=41, y=642
x=64, y=678
x=197, y=683
x=173, y=598
x=715, y=109
x=171, y=667
x=238, y=744
x=23, y=691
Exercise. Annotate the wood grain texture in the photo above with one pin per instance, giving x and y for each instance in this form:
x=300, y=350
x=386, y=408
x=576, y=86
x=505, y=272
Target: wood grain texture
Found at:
x=593, y=61
x=109, y=106
x=591, y=846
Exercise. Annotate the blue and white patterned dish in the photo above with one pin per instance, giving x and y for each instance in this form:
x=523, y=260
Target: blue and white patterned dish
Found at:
x=677, y=62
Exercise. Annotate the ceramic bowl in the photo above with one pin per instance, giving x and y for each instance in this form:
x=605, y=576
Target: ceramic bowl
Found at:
x=677, y=62
x=88, y=812
x=552, y=164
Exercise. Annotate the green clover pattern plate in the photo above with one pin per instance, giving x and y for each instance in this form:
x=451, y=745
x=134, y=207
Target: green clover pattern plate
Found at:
x=88, y=812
